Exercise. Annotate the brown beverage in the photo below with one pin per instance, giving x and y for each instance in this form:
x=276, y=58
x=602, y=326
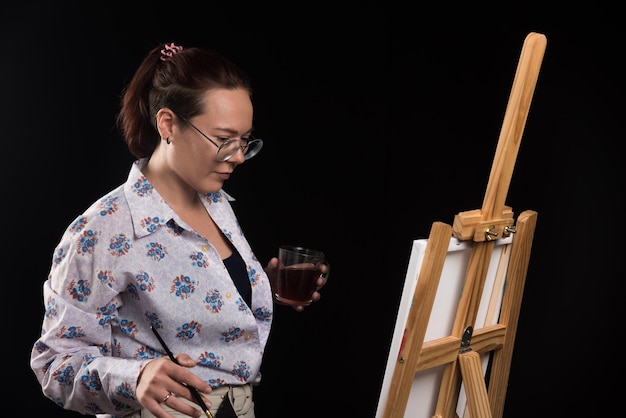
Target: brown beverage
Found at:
x=296, y=283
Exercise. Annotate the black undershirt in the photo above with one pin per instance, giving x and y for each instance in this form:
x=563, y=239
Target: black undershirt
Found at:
x=239, y=274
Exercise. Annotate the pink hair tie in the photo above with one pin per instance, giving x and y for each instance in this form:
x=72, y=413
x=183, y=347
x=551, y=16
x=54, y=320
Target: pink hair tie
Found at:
x=169, y=51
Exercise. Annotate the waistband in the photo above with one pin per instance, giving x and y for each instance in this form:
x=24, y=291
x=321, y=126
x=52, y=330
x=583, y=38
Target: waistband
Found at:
x=240, y=397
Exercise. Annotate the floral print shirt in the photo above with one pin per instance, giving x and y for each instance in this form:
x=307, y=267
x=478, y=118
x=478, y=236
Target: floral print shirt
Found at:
x=130, y=262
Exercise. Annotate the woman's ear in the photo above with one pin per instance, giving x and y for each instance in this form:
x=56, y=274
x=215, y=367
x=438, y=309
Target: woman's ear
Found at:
x=164, y=122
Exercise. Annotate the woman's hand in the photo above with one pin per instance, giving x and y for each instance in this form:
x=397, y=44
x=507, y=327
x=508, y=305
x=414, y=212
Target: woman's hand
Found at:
x=160, y=383
x=272, y=272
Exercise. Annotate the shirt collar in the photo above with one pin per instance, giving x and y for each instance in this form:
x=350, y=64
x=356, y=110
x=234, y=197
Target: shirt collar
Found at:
x=148, y=211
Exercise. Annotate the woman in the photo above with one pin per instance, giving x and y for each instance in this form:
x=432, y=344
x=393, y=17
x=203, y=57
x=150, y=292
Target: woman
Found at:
x=163, y=251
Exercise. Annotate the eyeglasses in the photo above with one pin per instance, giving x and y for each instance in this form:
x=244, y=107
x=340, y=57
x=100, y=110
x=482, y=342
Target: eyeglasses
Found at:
x=250, y=146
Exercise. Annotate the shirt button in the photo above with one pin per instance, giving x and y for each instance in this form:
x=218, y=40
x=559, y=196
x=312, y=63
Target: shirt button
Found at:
x=248, y=336
x=229, y=295
x=205, y=248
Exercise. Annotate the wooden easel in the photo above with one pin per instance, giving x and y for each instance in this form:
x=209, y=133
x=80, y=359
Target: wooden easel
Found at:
x=460, y=353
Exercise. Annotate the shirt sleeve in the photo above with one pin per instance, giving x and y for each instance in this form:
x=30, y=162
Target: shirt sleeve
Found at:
x=73, y=359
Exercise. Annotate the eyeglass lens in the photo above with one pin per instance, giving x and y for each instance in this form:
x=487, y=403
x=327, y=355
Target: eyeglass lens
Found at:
x=231, y=146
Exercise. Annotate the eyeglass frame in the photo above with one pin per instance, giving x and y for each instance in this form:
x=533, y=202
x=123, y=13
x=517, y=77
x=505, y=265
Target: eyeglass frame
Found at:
x=243, y=148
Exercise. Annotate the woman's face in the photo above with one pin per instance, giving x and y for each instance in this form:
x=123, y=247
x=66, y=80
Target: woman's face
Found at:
x=227, y=115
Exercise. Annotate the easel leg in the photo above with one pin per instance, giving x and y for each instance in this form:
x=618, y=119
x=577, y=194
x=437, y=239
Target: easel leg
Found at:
x=474, y=381
x=511, y=306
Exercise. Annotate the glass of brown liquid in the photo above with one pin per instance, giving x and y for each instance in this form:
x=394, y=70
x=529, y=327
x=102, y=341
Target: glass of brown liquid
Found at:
x=298, y=271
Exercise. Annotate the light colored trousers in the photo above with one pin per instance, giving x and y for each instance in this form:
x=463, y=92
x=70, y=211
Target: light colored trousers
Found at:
x=240, y=397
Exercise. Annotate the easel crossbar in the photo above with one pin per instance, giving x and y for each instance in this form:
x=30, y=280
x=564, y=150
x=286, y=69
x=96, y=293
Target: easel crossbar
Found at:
x=445, y=350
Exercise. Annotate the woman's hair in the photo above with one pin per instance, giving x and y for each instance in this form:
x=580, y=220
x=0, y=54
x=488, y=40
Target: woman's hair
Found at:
x=177, y=78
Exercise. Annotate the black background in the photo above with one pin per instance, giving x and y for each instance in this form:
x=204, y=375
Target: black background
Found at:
x=378, y=120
